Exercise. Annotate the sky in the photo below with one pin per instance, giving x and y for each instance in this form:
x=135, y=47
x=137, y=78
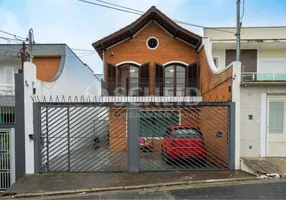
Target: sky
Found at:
x=79, y=24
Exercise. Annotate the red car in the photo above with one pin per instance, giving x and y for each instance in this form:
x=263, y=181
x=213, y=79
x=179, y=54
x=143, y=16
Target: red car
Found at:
x=184, y=142
x=146, y=144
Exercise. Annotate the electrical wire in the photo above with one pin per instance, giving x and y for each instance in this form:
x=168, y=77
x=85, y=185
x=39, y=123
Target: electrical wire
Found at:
x=88, y=50
x=15, y=36
x=138, y=12
x=243, y=9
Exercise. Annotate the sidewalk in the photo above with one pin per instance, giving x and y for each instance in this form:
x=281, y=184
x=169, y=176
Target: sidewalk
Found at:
x=262, y=166
x=70, y=183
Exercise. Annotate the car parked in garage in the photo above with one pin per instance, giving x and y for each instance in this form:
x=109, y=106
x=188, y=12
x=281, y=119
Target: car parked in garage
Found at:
x=183, y=142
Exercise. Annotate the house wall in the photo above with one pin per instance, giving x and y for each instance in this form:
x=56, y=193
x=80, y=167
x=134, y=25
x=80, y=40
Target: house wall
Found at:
x=135, y=49
x=214, y=86
x=74, y=79
x=220, y=54
x=247, y=33
x=263, y=53
x=11, y=63
x=253, y=131
x=47, y=67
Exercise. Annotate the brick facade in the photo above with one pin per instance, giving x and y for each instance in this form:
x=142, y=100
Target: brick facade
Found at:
x=214, y=87
x=135, y=49
x=47, y=67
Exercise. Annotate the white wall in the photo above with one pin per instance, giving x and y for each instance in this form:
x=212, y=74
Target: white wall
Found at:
x=5, y=88
x=76, y=79
x=220, y=54
x=247, y=33
x=253, y=131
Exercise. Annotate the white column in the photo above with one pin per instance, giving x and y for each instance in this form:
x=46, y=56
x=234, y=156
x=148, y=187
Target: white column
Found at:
x=30, y=82
x=236, y=80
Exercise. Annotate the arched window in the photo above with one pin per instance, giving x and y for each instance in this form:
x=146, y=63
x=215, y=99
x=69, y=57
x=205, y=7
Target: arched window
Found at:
x=127, y=78
x=175, y=80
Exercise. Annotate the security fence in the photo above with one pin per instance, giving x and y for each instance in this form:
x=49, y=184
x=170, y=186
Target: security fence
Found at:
x=97, y=136
x=7, y=123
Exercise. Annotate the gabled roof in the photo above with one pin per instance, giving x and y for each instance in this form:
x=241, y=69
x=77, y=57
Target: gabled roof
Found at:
x=152, y=14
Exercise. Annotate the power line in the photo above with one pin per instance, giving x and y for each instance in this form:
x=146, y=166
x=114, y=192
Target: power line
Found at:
x=243, y=8
x=97, y=4
x=88, y=50
x=138, y=12
x=6, y=38
x=15, y=36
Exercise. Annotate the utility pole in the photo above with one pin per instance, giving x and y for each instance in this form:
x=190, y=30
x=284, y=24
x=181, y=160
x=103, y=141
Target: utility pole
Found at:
x=31, y=41
x=23, y=56
x=238, y=27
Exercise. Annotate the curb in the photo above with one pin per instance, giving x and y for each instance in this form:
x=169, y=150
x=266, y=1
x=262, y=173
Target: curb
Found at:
x=131, y=187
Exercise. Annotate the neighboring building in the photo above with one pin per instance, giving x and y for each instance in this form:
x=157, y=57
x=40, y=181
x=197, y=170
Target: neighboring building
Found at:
x=155, y=57
x=59, y=69
x=263, y=81
x=55, y=71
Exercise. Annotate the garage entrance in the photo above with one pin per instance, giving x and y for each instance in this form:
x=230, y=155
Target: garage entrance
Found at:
x=87, y=137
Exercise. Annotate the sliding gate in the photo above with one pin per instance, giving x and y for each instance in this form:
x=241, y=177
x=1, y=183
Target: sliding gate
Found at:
x=88, y=137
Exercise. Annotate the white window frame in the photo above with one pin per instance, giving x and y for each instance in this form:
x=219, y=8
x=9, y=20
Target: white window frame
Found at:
x=217, y=60
x=5, y=76
x=271, y=99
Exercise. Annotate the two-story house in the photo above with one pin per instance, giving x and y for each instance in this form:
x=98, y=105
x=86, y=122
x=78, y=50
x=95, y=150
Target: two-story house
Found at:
x=263, y=80
x=155, y=59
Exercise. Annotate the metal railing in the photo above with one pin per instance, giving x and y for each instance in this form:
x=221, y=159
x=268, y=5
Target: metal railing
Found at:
x=7, y=109
x=142, y=87
x=7, y=89
x=94, y=136
x=262, y=77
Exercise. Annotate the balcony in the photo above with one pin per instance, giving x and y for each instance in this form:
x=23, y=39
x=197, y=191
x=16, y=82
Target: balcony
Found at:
x=7, y=89
x=256, y=78
x=142, y=87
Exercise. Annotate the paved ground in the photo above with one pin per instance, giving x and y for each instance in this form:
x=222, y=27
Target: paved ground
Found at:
x=267, y=165
x=88, y=159
x=71, y=181
x=262, y=190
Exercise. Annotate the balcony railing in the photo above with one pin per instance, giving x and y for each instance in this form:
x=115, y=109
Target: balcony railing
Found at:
x=142, y=87
x=7, y=89
x=263, y=77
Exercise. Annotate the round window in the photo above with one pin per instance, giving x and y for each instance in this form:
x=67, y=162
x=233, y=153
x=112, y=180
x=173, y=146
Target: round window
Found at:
x=152, y=43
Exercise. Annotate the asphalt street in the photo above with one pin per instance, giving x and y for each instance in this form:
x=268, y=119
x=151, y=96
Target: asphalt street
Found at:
x=274, y=190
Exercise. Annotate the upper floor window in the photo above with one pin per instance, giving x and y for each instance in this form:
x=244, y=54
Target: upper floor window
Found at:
x=175, y=80
x=9, y=75
x=152, y=43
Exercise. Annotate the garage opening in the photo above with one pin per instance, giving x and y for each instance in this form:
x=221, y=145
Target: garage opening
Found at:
x=79, y=137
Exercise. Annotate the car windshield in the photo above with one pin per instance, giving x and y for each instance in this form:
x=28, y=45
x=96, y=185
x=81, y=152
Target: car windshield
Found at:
x=186, y=133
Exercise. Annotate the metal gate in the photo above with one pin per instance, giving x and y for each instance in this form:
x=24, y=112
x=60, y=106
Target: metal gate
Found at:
x=5, y=160
x=86, y=137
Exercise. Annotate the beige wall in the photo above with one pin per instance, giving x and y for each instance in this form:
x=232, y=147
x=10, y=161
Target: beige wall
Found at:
x=262, y=54
x=220, y=54
x=247, y=33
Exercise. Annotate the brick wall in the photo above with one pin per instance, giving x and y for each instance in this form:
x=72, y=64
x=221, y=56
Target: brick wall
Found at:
x=47, y=67
x=117, y=129
x=214, y=87
x=170, y=49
